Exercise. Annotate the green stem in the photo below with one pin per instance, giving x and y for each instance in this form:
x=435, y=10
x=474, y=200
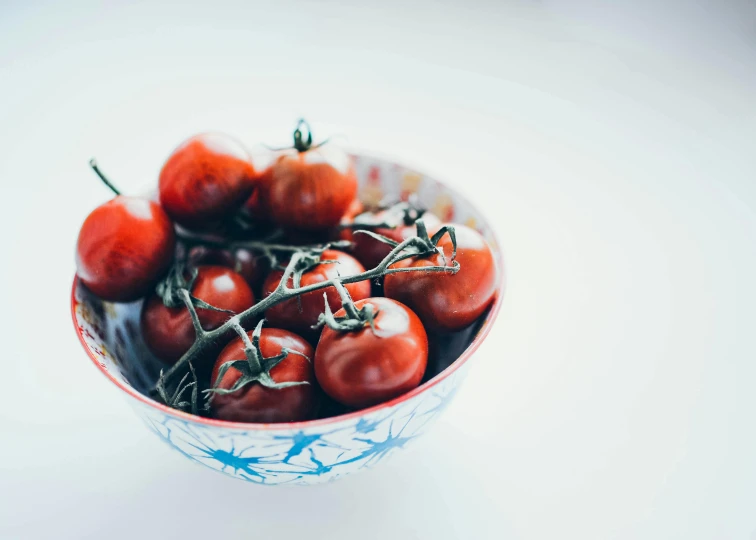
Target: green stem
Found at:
x=187, y=299
x=300, y=143
x=96, y=169
x=283, y=293
x=346, y=301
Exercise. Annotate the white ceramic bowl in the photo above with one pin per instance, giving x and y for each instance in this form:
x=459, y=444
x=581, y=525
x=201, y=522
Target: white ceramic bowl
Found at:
x=298, y=452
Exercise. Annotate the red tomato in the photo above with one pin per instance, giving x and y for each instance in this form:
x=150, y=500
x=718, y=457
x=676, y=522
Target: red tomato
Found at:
x=241, y=261
x=363, y=368
x=257, y=403
x=124, y=246
x=169, y=333
x=289, y=315
x=207, y=178
x=442, y=300
x=311, y=189
x=370, y=251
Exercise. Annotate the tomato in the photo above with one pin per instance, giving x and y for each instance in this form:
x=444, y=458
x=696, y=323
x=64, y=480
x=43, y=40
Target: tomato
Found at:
x=370, y=251
x=241, y=261
x=124, y=247
x=288, y=314
x=311, y=189
x=206, y=179
x=306, y=187
x=257, y=403
x=442, y=300
x=365, y=367
x=169, y=332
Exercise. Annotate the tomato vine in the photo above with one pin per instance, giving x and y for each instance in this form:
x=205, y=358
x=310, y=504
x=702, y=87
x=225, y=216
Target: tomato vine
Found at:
x=418, y=245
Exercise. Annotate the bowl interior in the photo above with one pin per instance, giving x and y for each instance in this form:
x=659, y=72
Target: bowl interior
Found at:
x=111, y=333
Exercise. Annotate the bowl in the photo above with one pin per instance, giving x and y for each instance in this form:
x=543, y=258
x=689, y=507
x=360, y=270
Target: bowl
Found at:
x=296, y=452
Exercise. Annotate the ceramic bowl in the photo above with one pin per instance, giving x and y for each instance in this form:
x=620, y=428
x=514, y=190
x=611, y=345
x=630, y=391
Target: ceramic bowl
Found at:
x=300, y=452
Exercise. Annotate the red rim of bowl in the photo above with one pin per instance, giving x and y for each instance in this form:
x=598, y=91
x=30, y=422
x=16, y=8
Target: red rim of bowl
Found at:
x=454, y=366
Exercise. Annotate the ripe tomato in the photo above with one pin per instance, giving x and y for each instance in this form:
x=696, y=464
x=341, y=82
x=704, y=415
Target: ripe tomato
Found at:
x=442, y=300
x=365, y=367
x=308, y=189
x=241, y=261
x=257, y=403
x=289, y=315
x=205, y=179
x=370, y=251
x=124, y=246
x=169, y=333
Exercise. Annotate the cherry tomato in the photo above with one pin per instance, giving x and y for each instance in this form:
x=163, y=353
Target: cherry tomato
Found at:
x=442, y=300
x=289, y=315
x=124, y=246
x=257, y=403
x=241, y=261
x=365, y=367
x=169, y=333
x=310, y=189
x=206, y=179
x=370, y=251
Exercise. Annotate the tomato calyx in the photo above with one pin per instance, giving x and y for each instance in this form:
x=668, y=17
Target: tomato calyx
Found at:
x=174, y=399
x=411, y=212
x=254, y=368
x=302, y=138
x=105, y=180
x=307, y=260
x=354, y=318
x=402, y=213
x=175, y=289
x=300, y=143
x=421, y=245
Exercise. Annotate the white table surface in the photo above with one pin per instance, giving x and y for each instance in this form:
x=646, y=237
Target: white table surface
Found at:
x=611, y=143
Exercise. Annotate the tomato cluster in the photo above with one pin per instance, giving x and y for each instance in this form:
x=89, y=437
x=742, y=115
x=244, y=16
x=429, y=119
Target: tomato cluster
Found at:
x=270, y=331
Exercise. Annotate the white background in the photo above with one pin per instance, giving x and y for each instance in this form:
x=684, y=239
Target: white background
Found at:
x=612, y=144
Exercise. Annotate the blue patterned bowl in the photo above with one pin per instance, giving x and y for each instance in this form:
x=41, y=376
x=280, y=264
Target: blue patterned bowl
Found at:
x=300, y=452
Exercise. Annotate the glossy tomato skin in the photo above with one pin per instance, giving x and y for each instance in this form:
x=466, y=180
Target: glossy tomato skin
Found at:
x=288, y=314
x=371, y=252
x=205, y=179
x=363, y=368
x=169, y=333
x=444, y=301
x=306, y=190
x=258, y=404
x=124, y=247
